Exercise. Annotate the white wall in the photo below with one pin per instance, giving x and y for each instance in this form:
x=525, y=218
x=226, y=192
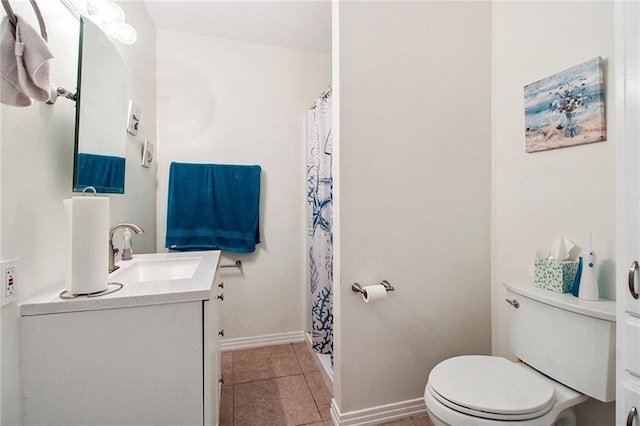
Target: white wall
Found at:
x=569, y=191
x=224, y=101
x=36, y=149
x=414, y=194
x=138, y=203
x=36, y=169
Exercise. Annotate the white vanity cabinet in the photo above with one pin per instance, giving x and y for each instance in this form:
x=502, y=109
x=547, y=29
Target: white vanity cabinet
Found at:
x=628, y=217
x=104, y=362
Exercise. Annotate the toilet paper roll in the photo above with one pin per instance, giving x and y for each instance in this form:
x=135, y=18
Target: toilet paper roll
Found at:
x=373, y=293
x=89, y=244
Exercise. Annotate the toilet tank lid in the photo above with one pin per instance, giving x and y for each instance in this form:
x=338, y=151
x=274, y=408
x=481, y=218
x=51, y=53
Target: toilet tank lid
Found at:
x=603, y=309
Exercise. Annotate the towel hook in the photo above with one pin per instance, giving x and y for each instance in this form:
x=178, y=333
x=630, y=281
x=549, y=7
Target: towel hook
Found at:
x=14, y=19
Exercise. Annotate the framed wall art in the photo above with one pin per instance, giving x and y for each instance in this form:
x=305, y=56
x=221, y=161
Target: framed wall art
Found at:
x=565, y=109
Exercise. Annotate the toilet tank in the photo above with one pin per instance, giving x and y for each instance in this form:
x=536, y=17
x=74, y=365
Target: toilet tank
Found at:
x=570, y=340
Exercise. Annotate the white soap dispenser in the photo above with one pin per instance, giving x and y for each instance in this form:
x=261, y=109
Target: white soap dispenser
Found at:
x=589, y=279
x=127, y=252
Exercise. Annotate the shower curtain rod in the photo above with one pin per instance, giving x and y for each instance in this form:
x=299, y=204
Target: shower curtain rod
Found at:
x=324, y=95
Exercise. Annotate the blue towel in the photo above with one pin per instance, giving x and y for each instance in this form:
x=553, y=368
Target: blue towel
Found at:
x=213, y=206
x=104, y=172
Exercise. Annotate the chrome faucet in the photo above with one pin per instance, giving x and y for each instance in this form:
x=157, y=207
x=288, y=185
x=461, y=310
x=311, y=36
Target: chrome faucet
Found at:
x=113, y=251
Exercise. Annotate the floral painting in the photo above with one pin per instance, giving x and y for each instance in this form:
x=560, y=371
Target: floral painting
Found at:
x=565, y=109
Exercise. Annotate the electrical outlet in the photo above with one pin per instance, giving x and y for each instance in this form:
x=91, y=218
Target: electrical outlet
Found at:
x=9, y=279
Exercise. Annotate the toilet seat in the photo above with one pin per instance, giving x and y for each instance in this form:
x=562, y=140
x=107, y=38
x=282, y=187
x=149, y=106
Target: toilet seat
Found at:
x=490, y=388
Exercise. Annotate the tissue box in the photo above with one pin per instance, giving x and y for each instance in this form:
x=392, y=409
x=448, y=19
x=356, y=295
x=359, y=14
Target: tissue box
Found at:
x=555, y=275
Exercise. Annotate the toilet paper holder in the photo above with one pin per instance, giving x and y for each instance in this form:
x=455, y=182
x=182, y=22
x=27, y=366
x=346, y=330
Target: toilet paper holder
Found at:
x=357, y=288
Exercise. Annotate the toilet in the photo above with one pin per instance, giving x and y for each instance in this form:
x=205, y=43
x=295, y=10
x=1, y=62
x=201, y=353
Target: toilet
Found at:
x=566, y=352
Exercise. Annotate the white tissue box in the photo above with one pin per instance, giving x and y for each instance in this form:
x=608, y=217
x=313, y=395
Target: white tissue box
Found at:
x=555, y=275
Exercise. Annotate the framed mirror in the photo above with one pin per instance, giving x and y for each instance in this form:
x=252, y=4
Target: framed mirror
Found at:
x=101, y=113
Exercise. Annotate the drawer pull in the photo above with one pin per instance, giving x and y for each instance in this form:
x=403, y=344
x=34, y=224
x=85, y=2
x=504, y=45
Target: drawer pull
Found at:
x=632, y=415
x=221, y=285
x=221, y=296
x=221, y=380
x=221, y=333
x=632, y=279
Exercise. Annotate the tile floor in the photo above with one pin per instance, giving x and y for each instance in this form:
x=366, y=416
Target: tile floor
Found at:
x=278, y=386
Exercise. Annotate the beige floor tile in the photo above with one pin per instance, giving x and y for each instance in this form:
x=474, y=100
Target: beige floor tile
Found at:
x=227, y=367
x=284, y=401
x=304, y=357
x=226, y=406
x=264, y=363
x=321, y=394
x=415, y=421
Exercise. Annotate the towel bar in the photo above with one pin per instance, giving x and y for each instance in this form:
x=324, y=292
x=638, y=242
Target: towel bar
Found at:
x=357, y=288
x=14, y=20
x=237, y=264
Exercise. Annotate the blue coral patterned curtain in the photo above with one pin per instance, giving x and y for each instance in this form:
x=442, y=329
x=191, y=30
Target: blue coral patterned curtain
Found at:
x=320, y=220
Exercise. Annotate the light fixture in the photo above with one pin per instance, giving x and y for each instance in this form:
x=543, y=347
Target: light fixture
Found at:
x=126, y=34
x=122, y=32
x=106, y=12
x=111, y=18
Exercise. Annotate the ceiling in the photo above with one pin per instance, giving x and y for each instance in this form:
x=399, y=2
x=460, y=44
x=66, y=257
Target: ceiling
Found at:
x=300, y=24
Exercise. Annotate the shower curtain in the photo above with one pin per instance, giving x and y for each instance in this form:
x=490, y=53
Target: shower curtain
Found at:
x=320, y=221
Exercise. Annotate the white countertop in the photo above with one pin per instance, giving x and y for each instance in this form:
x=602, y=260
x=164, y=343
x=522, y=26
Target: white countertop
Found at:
x=198, y=287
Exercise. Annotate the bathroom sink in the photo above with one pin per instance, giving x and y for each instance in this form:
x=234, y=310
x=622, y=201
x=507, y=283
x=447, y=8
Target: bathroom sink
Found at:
x=156, y=270
x=147, y=279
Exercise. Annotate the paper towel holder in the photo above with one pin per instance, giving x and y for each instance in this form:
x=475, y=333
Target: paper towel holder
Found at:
x=89, y=190
x=111, y=288
x=357, y=288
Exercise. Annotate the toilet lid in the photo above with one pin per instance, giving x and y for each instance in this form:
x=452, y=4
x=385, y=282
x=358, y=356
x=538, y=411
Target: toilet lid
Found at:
x=490, y=387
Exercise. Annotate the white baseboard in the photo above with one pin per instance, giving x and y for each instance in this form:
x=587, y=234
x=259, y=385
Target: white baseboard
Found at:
x=259, y=341
x=380, y=414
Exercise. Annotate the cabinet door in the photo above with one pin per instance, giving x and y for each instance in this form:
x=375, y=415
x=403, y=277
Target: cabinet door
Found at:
x=124, y=366
x=628, y=216
x=631, y=404
x=629, y=157
x=631, y=344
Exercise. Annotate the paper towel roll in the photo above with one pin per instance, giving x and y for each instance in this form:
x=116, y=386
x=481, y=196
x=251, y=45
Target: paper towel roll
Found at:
x=373, y=293
x=89, y=244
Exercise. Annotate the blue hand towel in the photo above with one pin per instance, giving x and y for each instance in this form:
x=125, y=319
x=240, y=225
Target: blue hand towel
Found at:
x=213, y=206
x=104, y=172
